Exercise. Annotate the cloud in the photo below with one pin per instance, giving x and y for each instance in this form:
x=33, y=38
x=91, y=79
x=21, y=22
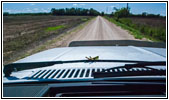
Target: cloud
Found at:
x=29, y=10
x=35, y=9
x=117, y=5
x=45, y=11
x=82, y=4
x=74, y=4
x=112, y=6
x=32, y=4
x=9, y=11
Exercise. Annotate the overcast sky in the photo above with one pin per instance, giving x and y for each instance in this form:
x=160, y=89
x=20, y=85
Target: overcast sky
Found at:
x=135, y=8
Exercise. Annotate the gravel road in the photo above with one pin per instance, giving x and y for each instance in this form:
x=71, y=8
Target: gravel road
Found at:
x=100, y=29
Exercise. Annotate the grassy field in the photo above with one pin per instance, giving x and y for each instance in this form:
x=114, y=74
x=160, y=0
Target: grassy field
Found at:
x=151, y=28
x=22, y=33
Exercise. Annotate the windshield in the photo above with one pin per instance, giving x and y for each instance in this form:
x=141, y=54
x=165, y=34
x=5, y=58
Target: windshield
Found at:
x=77, y=42
x=26, y=33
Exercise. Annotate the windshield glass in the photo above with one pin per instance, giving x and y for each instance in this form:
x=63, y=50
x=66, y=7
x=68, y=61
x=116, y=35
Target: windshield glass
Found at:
x=58, y=27
x=59, y=42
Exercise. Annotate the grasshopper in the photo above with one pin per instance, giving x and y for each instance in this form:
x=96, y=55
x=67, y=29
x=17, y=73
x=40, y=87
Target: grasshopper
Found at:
x=93, y=58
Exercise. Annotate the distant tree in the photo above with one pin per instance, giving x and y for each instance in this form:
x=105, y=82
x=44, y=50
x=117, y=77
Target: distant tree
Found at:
x=93, y=12
x=53, y=11
x=102, y=13
x=153, y=15
x=115, y=9
x=5, y=13
x=123, y=12
x=112, y=14
x=85, y=12
x=61, y=12
x=144, y=14
x=74, y=11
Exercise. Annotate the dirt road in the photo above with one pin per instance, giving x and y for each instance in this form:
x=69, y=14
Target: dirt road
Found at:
x=100, y=29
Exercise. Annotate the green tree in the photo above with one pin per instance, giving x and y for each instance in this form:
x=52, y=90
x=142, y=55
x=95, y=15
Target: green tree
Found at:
x=74, y=11
x=5, y=13
x=61, y=12
x=93, y=12
x=53, y=11
x=144, y=14
x=102, y=13
x=123, y=12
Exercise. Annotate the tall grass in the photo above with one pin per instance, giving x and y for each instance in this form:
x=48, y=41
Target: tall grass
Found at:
x=141, y=30
x=133, y=31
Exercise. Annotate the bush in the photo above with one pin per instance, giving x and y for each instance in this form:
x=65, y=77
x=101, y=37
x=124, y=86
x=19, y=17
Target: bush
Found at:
x=123, y=12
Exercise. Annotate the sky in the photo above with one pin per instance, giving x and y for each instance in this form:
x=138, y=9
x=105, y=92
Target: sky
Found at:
x=135, y=8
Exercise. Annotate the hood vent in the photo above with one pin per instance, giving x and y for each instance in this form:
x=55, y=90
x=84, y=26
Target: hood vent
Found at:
x=79, y=73
x=64, y=73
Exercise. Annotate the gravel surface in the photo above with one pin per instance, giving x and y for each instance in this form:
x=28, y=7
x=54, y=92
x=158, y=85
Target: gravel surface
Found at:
x=99, y=29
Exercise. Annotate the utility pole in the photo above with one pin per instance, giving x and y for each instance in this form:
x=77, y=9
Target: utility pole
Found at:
x=127, y=6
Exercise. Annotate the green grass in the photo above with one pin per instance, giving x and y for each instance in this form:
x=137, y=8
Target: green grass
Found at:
x=140, y=31
x=133, y=31
x=84, y=19
x=55, y=28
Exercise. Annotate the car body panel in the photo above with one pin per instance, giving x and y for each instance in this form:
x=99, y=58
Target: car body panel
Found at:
x=108, y=53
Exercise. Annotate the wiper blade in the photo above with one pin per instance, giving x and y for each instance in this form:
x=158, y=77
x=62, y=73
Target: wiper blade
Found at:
x=110, y=72
x=141, y=64
x=30, y=65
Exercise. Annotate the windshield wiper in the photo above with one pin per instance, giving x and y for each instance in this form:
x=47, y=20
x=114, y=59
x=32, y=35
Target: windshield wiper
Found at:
x=148, y=71
x=8, y=69
x=141, y=64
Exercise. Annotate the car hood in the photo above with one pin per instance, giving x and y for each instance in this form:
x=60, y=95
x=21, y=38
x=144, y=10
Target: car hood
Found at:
x=62, y=71
x=107, y=53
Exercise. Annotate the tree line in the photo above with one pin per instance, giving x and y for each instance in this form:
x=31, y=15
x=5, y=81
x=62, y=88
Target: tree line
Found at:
x=61, y=12
x=125, y=12
x=22, y=14
x=75, y=11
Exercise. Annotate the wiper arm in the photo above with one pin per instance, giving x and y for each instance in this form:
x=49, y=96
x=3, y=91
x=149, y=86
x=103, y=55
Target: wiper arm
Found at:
x=30, y=65
x=110, y=72
x=141, y=64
